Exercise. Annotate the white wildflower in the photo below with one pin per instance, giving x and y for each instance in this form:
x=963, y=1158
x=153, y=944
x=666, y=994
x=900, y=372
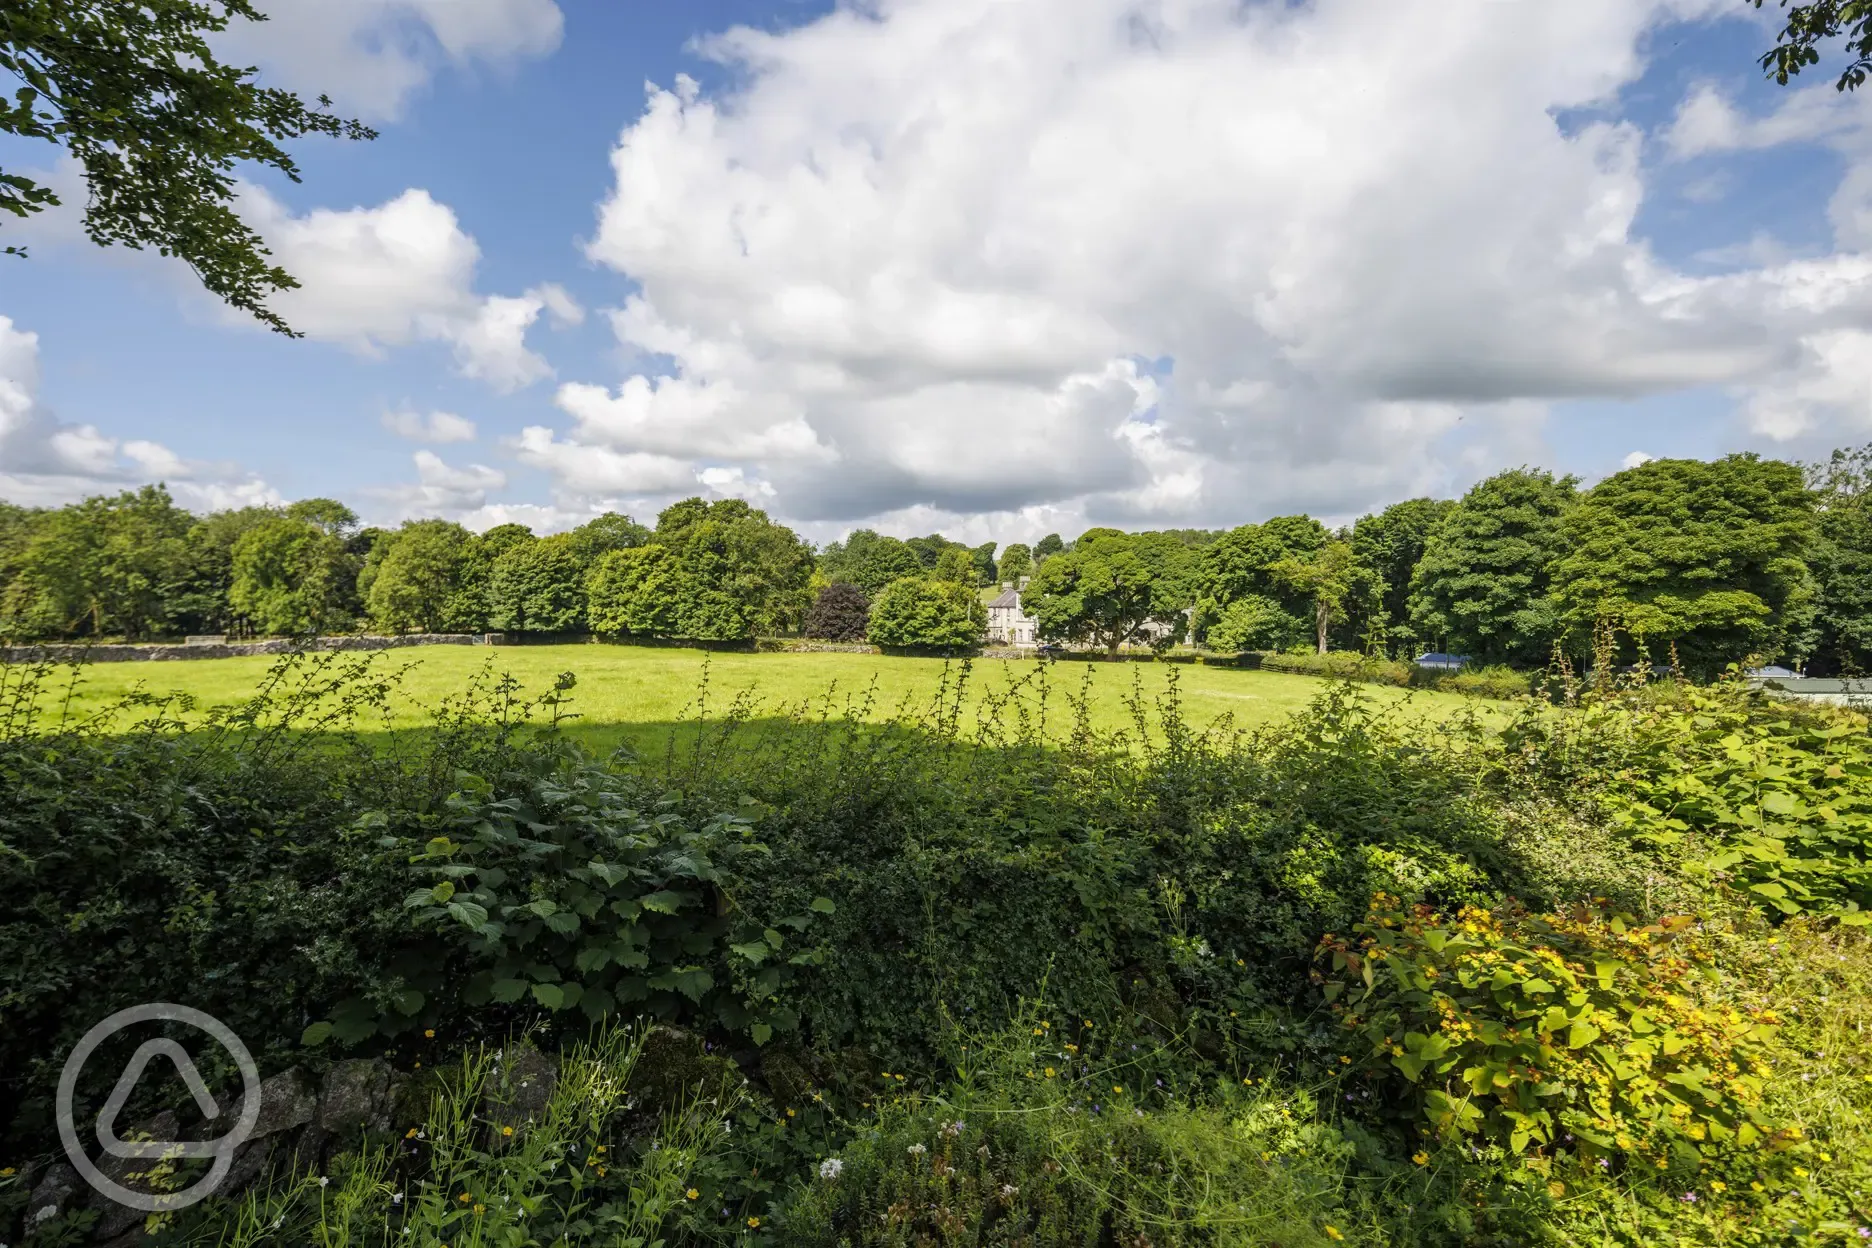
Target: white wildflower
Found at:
x=829, y=1168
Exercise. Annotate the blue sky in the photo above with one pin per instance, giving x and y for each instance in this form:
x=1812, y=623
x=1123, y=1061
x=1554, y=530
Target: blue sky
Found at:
x=987, y=267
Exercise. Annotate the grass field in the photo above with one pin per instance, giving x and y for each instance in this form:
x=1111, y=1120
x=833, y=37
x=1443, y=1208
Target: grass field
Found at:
x=635, y=693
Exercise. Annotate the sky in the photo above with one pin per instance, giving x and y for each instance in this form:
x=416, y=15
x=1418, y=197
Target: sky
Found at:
x=993, y=268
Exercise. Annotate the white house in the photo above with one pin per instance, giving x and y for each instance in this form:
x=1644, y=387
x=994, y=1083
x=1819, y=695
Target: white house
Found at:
x=1008, y=625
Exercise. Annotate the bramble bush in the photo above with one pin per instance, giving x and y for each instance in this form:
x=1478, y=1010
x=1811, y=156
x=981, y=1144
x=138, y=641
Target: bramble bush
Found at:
x=1583, y=1034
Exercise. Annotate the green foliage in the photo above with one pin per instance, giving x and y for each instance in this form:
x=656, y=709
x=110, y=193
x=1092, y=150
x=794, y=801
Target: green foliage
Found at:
x=639, y=592
x=1808, y=25
x=1016, y=562
x=983, y=557
x=840, y=613
x=476, y=1171
x=869, y=560
x=956, y=564
x=412, y=581
x=136, y=94
x=1391, y=543
x=1239, y=564
x=1041, y=1139
x=574, y=888
x=1255, y=622
x=1779, y=806
x=105, y=566
x=1707, y=557
x=923, y=612
x=1047, y=547
x=538, y=587
x=1110, y=586
x=1483, y=585
x=1840, y=641
x=743, y=574
x=1329, y=576
x=290, y=576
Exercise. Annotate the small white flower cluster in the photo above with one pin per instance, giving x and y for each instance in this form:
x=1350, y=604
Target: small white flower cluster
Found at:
x=953, y=1129
x=916, y=1150
x=829, y=1168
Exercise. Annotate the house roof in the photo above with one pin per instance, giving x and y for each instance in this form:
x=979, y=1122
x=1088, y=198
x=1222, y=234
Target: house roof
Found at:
x=1007, y=598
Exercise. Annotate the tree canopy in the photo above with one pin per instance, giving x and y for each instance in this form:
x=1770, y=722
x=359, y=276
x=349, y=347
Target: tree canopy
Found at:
x=840, y=613
x=1483, y=585
x=1708, y=557
x=135, y=92
x=1391, y=543
x=1840, y=638
x=925, y=613
x=1109, y=586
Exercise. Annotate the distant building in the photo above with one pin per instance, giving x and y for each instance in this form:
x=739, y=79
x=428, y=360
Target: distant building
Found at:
x=1008, y=624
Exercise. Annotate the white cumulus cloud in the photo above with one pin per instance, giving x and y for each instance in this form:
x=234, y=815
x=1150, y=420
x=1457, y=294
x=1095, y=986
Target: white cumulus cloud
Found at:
x=372, y=56
x=436, y=427
x=402, y=272
x=1142, y=261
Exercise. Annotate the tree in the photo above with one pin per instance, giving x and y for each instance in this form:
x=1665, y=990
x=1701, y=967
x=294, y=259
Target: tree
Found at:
x=1238, y=565
x=136, y=94
x=869, y=560
x=1016, y=562
x=983, y=557
x=100, y=567
x=1483, y=585
x=1109, y=586
x=840, y=613
x=1807, y=25
x=1327, y=576
x=289, y=576
x=1391, y=543
x=415, y=575
x=197, y=600
x=956, y=564
x=608, y=532
x=928, y=550
x=538, y=587
x=756, y=573
x=1254, y=622
x=1708, y=557
x=922, y=612
x=1840, y=640
x=716, y=571
x=637, y=591
x=1047, y=547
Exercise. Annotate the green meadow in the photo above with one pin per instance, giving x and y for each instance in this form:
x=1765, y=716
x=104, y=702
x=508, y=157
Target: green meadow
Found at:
x=635, y=693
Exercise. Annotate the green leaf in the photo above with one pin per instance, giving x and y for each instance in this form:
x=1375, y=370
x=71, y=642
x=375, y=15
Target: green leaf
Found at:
x=1581, y=1034
x=507, y=991
x=662, y=902
x=762, y=1033
x=316, y=1034
x=823, y=905
x=754, y=951
x=549, y=995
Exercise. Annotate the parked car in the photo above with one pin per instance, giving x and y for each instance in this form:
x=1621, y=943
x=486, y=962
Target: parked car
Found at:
x=1049, y=650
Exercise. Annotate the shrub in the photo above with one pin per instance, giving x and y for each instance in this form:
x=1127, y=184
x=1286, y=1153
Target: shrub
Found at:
x=1256, y=622
x=1340, y=665
x=1583, y=1033
x=918, y=611
x=840, y=613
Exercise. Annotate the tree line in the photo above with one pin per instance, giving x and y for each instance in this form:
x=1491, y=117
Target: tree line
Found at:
x=1709, y=561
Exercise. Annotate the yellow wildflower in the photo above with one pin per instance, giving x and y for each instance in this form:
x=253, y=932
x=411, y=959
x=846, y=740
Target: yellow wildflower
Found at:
x=429, y=1033
x=1421, y=1158
x=1050, y=1072
x=753, y=1223
x=692, y=1194
x=1332, y=1232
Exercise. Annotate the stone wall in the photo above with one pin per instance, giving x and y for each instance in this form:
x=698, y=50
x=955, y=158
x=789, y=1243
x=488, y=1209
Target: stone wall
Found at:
x=223, y=650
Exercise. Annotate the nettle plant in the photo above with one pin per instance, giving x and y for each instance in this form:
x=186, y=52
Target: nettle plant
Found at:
x=1581, y=1034
x=584, y=891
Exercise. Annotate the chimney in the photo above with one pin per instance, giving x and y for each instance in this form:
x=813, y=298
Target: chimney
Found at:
x=1024, y=580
